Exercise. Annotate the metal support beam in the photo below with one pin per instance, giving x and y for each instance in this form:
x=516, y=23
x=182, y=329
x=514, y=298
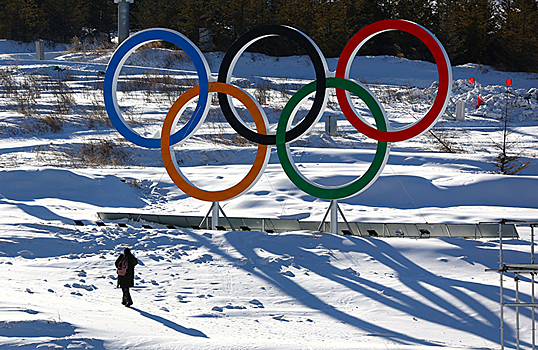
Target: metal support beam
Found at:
x=533, y=309
x=40, y=50
x=520, y=304
x=517, y=269
x=334, y=216
x=215, y=216
x=517, y=310
x=334, y=209
x=214, y=211
x=460, y=110
x=501, y=284
x=123, y=19
x=331, y=125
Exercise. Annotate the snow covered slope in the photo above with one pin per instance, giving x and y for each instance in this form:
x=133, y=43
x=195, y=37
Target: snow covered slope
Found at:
x=201, y=289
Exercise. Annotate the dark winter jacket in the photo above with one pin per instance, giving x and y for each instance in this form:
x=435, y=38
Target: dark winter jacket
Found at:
x=128, y=279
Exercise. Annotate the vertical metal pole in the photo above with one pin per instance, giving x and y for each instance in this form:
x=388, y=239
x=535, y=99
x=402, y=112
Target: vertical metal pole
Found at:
x=123, y=19
x=331, y=126
x=532, y=292
x=532, y=244
x=533, y=317
x=215, y=216
x=517, y=310
x=40, y=50
x=334, y=216
x=460, y=110
x=501, y=284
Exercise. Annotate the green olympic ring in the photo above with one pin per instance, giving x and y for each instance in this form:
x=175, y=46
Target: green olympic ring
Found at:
x=333, y=192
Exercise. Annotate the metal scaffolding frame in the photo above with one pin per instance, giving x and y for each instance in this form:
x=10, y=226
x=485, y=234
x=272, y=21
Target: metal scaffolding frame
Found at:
x=517, y=269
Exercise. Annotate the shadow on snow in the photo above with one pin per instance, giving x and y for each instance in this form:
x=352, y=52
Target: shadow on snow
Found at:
x=410, y=274
x=171, y=325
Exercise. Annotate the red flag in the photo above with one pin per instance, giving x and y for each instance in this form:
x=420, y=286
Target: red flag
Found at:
x=478, y=102
x=508, y=81
x=471, y=80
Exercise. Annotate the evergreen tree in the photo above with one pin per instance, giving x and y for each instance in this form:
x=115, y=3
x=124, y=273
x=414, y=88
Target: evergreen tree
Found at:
x=157, y=13
x=61, y=24
x=446, y=30
x=331, y=29
x=404, y=44
x=517, y=40
x=360, y=13
x=474, y=27
x=501, y=33
x=418, y=11
x=21, y=20
x=98, y=16
x=477, y=23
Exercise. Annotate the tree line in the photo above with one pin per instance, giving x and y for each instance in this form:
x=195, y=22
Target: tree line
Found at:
x=499, y=33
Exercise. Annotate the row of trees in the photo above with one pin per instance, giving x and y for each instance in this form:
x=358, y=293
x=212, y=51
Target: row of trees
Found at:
x=501, y=33
x=55, y=20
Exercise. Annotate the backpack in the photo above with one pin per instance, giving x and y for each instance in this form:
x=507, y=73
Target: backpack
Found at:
x=122, y=266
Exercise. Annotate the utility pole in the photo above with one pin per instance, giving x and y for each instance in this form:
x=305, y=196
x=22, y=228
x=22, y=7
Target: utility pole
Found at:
x=123, y=19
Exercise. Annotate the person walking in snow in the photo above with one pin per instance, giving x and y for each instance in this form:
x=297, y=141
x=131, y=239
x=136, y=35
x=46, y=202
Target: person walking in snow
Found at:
x=125, y=265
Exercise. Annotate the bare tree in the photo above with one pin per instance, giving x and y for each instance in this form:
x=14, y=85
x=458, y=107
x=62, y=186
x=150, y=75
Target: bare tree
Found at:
x=507, y=161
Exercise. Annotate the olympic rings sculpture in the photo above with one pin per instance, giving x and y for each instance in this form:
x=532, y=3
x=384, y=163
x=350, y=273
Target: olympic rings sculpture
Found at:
x=285, y=133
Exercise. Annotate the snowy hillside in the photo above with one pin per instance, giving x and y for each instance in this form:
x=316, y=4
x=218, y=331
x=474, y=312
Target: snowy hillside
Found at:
x=199, y=289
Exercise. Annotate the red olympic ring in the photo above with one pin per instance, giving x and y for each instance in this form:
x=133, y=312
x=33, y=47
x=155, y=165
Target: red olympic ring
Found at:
x=261, y=136
x=443, y=68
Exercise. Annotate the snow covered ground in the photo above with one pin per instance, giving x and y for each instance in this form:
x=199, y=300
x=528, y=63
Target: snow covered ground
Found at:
x=202, y=289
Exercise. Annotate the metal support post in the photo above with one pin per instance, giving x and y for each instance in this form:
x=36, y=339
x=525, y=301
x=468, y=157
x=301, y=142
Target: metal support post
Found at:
x=334, y=209
x=343, y=217
x=205, y=39
x=532, y=244
x=214, y=211
x=533, y=309
x=517, y=269
x=320, y=228
x=501, y=284
x=215, y=215
x=40, y=50
x=224, y=214
x=206, y=216
x=331, y=125
x=123, y=19
x=517, y=310
x=334, y=216
x=460, y=110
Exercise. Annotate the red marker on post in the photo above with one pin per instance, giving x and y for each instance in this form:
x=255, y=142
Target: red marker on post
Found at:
x=509, y=81
x=471, y=80
x=478, y=102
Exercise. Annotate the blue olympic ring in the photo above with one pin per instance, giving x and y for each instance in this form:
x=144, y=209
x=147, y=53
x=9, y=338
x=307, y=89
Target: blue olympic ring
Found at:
x=324, y=78
x=111, y=83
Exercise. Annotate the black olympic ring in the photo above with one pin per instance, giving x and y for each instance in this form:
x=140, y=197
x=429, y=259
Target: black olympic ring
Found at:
x=320, y=67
